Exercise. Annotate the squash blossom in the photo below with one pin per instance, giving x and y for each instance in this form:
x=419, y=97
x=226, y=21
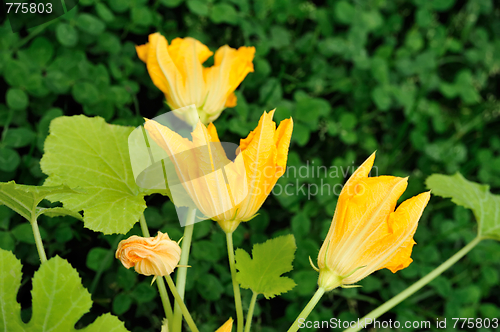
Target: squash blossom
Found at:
x=227, y=327
x=366, y=233
x=226, y=191
x=177, y=70
x=156, y=256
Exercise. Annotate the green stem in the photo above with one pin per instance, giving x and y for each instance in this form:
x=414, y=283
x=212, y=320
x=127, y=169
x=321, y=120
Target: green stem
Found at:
x=159, y=281
x=236, y=286
x=38, y=239
x=307, y=310
x=250, y=312
x=180, y=302
x=180, y=280
x=416, y=286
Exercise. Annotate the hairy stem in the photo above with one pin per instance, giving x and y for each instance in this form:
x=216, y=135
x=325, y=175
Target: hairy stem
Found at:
x=180, y=302
x=38, y=239
x=307, y=310
x=180, y=280
x=250, y=312
x=236, y=286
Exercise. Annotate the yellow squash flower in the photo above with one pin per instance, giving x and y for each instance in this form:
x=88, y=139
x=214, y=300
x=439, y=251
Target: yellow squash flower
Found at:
x=366, y=233
x=227, y=327
x=226, y=191
x=156, y=256
x=177, y=70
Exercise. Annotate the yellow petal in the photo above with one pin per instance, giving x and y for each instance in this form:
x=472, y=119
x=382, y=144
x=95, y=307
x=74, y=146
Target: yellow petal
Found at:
x=227, y=327
x=259, y=155
x=282, y=140
x=231, y=100
x=230, y=67
x=212, y=131
x=406, y=216
x=339, y=225
x=163, y=71
x=188, y=54
x=142, y=52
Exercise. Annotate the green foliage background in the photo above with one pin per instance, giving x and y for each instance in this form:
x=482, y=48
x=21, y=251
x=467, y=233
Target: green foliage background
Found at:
x=415, y=80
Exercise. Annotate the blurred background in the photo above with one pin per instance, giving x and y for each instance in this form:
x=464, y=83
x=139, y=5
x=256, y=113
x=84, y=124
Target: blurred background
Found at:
x=416, y=80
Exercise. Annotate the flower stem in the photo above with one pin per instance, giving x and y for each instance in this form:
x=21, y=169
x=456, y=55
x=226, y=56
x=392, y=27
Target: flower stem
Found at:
x=180, y=302
x=236, y=286
x=416, y=286
x=38, y=239
x=250, y=312
x=180, y=280
x=159, y=281
x=307, y=310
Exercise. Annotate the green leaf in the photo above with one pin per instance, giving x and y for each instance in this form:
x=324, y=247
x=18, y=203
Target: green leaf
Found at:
x=9, y=159
x=198, y=7
x=6, y=241
x=19, y=137
x=90, y=24
x=381, y=97
x=104, y=12
x=91, y=154
x=59, y=299
x=24, y=233
x=23, y=198
x=17, y=99
x=15, y=73
x=58, y=212
x=85, y=93
x=262, y=273
x=144, y=292
x=344, y=12
x=57, y=81
x=224, y=13
x=142, y=16
x=472, y=195
x=41, y=51
x=66, y=34
x=119, y=6
x=209, y=287
x=96, y=257
x=121, y=303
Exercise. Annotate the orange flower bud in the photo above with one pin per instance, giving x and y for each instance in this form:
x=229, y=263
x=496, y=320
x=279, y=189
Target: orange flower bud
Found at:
x=367, y=232
x=156, y=256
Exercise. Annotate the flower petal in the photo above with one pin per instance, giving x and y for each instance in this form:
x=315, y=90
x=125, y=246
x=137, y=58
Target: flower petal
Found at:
x=231, y=66
x=227, y=327
x=406, y=217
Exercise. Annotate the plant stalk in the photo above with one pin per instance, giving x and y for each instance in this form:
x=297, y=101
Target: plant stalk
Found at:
x=250, y=312
x=180, y=280
x=236, y=286
x=38, y=239
x=307, y=310
x=416, y=286
x=180, y=302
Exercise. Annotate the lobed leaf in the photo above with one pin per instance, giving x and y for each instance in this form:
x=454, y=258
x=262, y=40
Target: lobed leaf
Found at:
x=59, y=299
x=24, y=199
x=472, y=195
x=91, y=154
x=262, y=273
